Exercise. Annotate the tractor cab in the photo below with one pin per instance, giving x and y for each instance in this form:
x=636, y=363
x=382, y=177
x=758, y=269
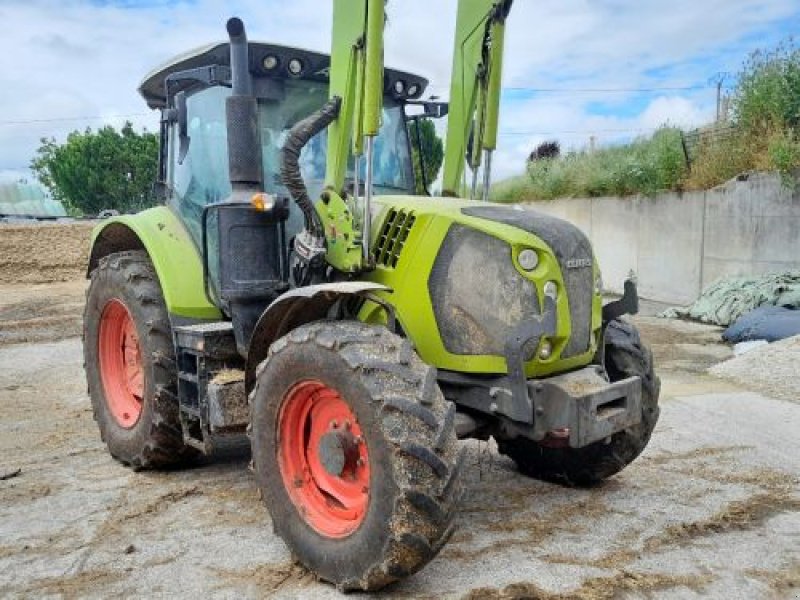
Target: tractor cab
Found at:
x=288, y=84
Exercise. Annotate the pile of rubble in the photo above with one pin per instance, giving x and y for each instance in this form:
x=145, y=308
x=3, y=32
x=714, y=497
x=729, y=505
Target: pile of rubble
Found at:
x=770, y=368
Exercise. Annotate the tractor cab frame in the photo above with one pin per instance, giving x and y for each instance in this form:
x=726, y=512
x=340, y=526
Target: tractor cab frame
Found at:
x=208, y=151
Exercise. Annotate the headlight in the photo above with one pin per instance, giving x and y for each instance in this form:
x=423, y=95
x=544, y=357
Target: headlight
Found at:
x=295, y=66
x=528, y=259
x=270, y=62
x=551, y=289
x=545, y=350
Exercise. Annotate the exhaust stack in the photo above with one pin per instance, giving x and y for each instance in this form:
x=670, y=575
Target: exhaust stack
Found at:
x=249, y=243
x=241, y=111
x=240, y=58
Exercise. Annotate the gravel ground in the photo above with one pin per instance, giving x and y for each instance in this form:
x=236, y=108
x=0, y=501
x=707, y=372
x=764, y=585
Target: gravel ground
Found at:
x=43, y=252
x=711, y=510
x=772, y=369
x=44, y=312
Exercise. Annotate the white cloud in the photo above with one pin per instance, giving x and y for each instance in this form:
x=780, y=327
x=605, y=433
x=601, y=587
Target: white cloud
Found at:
x=72, y=58
x=673, y=110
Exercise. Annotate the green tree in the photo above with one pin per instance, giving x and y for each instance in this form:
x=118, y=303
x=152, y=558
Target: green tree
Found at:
x=103, y=169
x=545, y=151
x=432, y=152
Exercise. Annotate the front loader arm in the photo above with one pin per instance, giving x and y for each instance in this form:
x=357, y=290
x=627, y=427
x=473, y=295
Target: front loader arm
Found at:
x=356, y=77
x=474, y=89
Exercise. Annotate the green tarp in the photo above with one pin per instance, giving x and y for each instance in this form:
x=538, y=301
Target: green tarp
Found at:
x=727, y=299
x=27, y=199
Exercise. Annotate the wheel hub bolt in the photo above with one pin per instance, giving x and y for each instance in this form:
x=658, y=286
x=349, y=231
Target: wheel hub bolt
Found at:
x=338, y=450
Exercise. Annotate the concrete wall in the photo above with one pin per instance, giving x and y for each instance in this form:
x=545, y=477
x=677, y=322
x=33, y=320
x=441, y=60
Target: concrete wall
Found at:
x=677, y=244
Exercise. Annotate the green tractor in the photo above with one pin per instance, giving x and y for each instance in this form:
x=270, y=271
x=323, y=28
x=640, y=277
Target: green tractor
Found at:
x=293, y=288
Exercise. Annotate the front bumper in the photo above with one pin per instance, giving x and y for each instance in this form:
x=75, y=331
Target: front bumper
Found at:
x=581, y=405
x=585, y=405
x=578, y=408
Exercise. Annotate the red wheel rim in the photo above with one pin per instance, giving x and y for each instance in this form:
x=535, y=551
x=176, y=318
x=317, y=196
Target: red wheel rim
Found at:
x=121, y=369
x=323, y=459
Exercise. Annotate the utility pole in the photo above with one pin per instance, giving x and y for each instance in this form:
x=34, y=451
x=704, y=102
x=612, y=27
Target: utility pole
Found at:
x=718, y=80
x=726, y=107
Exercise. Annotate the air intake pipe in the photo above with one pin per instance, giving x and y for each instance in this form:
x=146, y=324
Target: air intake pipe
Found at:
x=298, y=137
x=245, y=170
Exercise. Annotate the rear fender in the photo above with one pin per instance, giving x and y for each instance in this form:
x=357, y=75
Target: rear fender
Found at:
x=176, y=259
x=295, y=308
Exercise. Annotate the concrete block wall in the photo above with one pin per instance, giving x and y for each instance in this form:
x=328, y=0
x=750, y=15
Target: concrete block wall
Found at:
x=679, y=243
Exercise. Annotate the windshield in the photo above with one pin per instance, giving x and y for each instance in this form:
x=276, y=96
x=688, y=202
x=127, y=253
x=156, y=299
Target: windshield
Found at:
x=392, y=162
x=202, y=177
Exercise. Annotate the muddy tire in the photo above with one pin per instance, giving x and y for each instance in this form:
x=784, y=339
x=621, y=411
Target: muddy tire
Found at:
x=625, y=356
x=355, y=453
x=130, y=366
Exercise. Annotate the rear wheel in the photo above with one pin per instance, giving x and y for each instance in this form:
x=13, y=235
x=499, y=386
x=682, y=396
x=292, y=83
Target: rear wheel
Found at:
x=625, y=356
x=130, y=369
x=355, y=452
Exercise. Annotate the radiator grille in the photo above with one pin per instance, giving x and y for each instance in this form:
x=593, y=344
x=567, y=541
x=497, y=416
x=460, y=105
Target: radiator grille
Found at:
x=392, y=238
x=580, y=288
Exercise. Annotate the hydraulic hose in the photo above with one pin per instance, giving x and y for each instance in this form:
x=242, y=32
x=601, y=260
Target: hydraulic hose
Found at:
x=298, y=137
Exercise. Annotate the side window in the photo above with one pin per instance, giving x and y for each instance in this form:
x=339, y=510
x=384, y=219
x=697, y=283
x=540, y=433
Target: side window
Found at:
x=202, y=177
x=391, y=164
x=392, y=160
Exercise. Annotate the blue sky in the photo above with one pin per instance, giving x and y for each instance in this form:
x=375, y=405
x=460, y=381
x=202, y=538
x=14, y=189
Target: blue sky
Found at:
x=78, y=63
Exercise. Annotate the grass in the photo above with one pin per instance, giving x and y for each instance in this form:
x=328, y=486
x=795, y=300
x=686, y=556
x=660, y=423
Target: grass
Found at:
x=765, y=137
x=643, y=166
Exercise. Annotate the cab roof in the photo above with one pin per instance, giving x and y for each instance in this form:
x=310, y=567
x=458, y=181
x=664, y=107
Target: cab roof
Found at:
x=315, y=67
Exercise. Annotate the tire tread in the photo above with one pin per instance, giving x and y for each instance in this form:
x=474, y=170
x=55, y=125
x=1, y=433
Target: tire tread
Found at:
x=163, y=445
x=401, y=386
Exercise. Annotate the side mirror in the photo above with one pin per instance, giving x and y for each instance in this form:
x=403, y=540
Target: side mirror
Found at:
x=178, y=114
x=183, y=126
x=436, y=110
x=159, y=192
x=430, y=108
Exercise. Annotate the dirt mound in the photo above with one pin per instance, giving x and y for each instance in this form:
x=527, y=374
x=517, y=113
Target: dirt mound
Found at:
x=770, y=369
x=44, y=252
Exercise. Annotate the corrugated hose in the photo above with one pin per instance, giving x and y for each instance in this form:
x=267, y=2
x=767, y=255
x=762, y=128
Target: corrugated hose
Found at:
x=298, y=137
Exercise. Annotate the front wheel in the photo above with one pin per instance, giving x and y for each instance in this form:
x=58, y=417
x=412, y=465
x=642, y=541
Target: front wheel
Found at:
x=130, y=369
x=355, y=453
x=625, y=356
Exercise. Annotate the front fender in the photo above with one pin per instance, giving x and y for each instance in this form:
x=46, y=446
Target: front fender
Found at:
x=295, y=308
x=175, y=257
